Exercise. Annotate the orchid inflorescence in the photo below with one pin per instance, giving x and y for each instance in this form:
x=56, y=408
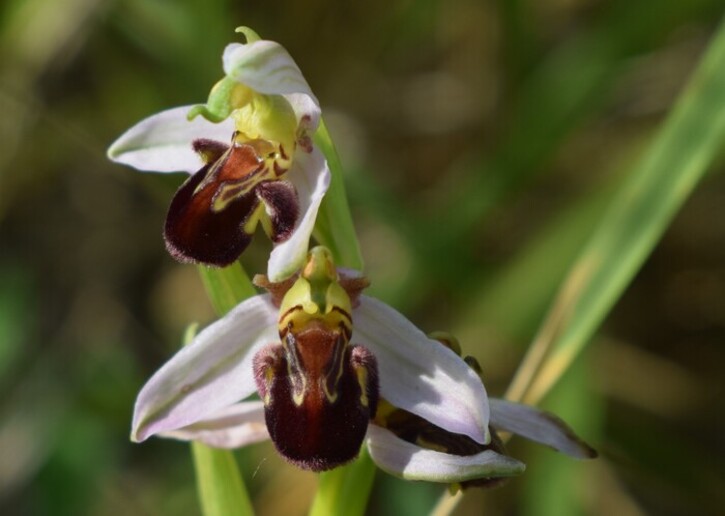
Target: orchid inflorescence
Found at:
x=334, y=369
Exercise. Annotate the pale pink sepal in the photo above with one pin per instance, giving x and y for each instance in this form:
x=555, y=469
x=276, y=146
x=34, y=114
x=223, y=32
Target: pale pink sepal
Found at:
x=232, y=427
x=420, y=375
x=162, y=142
x=538, y=426
x=211, y=373
x=411, y=462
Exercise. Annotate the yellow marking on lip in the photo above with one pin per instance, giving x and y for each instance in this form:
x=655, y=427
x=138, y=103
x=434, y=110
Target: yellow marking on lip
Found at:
x=338, y=359
x=331, y=397
x=268, y=379
x=297, y=379
x=362, y=379
x=298, y=398
x=251, y=224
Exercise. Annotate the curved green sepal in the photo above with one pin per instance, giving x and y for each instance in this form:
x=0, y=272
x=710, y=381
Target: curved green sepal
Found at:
x=248, y=33
x=201, y=109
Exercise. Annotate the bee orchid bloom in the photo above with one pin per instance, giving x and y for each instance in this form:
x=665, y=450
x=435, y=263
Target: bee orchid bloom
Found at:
x=251, y=158
x=321, y=356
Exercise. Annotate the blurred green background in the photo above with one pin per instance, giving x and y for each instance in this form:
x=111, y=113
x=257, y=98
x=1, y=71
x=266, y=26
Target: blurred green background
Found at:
x=482, y=141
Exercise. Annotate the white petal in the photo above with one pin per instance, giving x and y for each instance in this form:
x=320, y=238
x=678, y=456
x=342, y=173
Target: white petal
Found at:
x=311, y=178
x=412, y=462
x=266, y=67
x=162, y=142
x=232, y=427
x=539, y=426
x=419, y=374
x=211, y=373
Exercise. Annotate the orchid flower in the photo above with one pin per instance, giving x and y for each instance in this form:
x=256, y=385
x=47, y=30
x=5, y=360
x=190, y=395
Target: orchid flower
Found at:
x=320, y=393
x=251, y=158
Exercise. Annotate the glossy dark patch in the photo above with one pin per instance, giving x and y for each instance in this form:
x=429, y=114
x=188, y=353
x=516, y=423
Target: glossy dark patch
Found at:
x=319, y=396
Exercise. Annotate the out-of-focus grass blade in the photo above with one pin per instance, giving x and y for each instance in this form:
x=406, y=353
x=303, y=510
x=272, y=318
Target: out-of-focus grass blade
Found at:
x=512, y=302
x=60, y=26
x=566, y=87
x=637, y=217
x=16, y=314
x=550, y=107
x=221, y=489
x=555, y=485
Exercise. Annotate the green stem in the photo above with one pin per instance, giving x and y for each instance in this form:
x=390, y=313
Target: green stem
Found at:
x=220, y=485
x=345, y=490
x=334, y=227
x=226, y=287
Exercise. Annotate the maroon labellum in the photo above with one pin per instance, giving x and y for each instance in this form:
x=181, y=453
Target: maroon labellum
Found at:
x=319, y=392
x=213, y=215
x=317, y=419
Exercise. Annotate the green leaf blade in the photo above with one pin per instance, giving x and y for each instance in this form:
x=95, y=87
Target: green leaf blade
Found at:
x=675, y=162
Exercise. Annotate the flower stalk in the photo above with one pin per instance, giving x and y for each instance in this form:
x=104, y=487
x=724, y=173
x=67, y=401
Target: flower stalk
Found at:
x=226, y=287
x=220, y=485
x=345, y=490
x=334, y=227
